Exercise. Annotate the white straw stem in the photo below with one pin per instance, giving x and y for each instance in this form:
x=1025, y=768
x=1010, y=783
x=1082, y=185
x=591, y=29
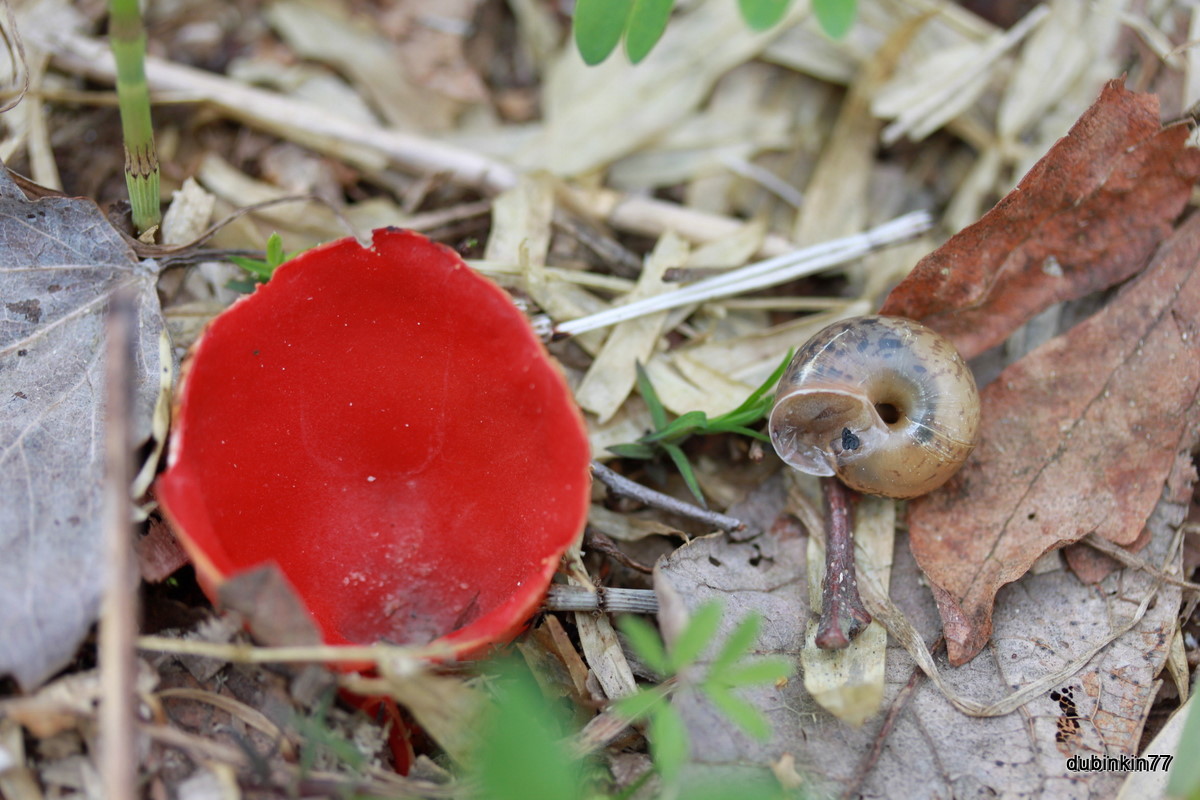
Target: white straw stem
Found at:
x=760, y=275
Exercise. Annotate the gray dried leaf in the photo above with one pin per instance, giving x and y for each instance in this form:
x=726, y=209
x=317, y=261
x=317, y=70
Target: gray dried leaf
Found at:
x=60, y=261
x=1043, y=623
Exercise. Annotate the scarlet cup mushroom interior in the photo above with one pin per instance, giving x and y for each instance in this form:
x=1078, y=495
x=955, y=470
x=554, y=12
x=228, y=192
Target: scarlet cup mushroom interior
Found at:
x=382, y=424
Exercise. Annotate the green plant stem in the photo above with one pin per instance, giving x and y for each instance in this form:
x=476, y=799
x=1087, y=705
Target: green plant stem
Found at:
x=127, y=36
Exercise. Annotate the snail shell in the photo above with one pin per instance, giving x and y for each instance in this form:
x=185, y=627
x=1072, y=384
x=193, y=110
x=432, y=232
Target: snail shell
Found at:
x=884, y=403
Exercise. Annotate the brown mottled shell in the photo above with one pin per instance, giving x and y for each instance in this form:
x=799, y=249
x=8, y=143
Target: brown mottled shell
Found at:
x=884, y=403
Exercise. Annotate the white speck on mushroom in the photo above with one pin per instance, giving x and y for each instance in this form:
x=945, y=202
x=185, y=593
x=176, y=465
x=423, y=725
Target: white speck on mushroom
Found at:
x=370, y=479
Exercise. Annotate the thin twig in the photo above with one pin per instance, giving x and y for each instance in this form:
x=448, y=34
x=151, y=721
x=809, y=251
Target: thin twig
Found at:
x=1130, y=560
x=843, y=615
x=759, y=275
x=621, y=485
x=898, y=705
x=599, y=542
x=118, y=626
x=578, y=598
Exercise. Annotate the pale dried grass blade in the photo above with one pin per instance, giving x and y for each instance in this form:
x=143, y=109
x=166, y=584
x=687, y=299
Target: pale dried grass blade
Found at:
x=1049, y=63
x=734, y=126
x=313, y=221
x=444, y=706
x=760, y=275
x=521, y=218
x=687, y=384
x=626, y=527
x=923, y=99
x=751, y=357
x=1191, y=69
x=598, y=640
x=323, y=32
x=189, y=214
x=631, y=421
x=613, y=374
x=585, y=106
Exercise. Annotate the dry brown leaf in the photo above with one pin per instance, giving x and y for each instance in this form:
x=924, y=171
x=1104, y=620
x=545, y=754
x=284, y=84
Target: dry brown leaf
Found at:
x=1086, y=217
x=1043, y=624
x=274, y=613
x=158, y=553
x=1078, y=437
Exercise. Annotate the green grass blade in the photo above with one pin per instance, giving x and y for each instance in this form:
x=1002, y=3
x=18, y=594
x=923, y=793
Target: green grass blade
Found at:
x=680, y=428
x=598, y=27
x=767, y=385
x=658, y=414
x=763, y=14
x=632, y=450
x=835, y=17
x=256, y=267
x=685, y=469
x=275, y=255
x=762, y=437
x=647, y=21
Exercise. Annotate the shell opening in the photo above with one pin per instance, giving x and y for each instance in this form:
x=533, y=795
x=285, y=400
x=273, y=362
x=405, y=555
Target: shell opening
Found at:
x=888, y=412
x=815, y=430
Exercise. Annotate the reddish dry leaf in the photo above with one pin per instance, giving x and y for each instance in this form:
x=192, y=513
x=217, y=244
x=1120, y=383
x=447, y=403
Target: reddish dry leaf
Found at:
x=1077, y=437
x=1087, y=216
x=159, y=553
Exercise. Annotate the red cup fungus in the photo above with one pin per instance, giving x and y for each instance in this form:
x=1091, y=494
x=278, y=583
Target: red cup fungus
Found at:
x=383, y=424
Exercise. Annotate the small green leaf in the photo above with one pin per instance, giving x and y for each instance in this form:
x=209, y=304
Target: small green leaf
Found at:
x=753, y=434
x=763, y=14
x=738, y=643
x=638, y=705
x=245, y=287
x=685, y=469
x=598, y=26
x=835, y=17
x=770, y=382
x=668, y=742
x=658, y=414
x=752, y=673
x=521, y=736
x=647, y=21
x=259, y=269
x=633, y=450
x=740, y=712
x=680, y=428
x=696, y=635
x=646, y=643
x=739, y=416
x=275, y=255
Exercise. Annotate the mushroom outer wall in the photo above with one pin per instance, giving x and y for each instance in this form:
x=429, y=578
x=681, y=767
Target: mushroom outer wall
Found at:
x=383, y=424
